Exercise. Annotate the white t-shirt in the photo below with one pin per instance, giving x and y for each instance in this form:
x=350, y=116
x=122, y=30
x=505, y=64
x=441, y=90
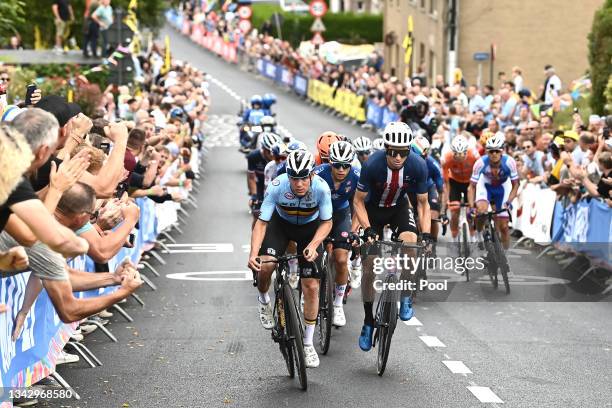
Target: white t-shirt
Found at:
x=553, y=89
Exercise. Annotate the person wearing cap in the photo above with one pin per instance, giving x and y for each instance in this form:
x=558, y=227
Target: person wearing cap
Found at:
x=552, y=86
x=570, y=141
x=74, y=127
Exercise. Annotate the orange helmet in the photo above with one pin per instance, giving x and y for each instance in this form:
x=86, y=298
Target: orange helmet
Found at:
x=324, y=140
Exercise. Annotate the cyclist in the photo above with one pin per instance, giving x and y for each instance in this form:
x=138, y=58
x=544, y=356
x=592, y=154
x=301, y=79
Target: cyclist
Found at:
x=295, y=145
x=435, y=184
x=257, y=161
x=363, y=147
x=342, y=178
x=494, y=181
x=297, y=207
x=381, y=199
x=457, y=165
x=279, y=154
x=325, y=140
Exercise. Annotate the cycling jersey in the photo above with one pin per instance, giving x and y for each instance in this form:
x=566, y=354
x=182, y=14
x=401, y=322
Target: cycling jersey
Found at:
x=459, y=171
x=387, y=187
x=271, y=171
x=293, y=209
x=434, y=175
x=257, y=164
x=346, y=189
x=506, y=170
x=281, y=169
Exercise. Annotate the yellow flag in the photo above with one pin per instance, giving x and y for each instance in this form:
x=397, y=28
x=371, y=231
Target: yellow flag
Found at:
x=167, y=65
x=37, y=39
x=131, y=20
x=407, y=44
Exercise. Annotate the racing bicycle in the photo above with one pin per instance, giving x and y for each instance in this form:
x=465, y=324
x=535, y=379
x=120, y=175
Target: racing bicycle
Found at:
x=496, y=256
x=288, y=330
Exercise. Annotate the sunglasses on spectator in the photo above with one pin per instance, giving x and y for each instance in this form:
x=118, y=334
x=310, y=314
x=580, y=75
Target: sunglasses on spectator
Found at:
x=494, y=151
x=343, y=166
x=5, y=79
x=400, y=153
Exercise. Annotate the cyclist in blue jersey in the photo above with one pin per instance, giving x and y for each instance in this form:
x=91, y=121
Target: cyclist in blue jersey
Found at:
x=380, y=200
x=435, y=184
x=494, y=181
x=297, y=207
x=342, y=178
x=257, y=161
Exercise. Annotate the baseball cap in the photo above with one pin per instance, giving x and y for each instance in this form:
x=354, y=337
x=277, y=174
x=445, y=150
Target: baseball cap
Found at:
x=59, y=107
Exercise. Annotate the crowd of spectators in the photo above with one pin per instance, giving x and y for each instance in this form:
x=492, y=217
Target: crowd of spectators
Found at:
x=573, y=160
x=68, y=183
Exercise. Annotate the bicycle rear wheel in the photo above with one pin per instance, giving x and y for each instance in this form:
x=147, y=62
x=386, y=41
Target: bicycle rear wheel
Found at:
x=295, y=334
x=387, y=320
x=326, y=309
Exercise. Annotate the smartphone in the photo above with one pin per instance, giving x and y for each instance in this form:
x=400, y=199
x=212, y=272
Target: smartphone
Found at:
x=131, y=239
x=121, y=188
x=29, y=91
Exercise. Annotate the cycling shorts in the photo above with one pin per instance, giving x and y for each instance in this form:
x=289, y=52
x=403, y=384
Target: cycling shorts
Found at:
x=496, y=196
x=342, y=228
x=399, y=217
x=457, y=191
x=278, y=234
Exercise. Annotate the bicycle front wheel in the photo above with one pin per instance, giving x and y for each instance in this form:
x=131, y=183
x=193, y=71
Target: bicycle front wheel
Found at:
x=502, y=261
x=465, y=248
x=295, y=334
x=386, y=327
x=326, y=309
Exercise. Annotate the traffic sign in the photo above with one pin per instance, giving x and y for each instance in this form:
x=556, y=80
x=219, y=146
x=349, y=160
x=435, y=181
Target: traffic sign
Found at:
x=318, y=8
x=481, y=56
x=244, y=26
x=317, y=39
x=245, y=12
x=317, y=26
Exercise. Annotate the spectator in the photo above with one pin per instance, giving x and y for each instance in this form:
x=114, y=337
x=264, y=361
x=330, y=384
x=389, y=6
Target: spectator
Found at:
x=517, y=78
x=533, y=160
x=552, y=86
x=103, y=17
x=63, y=15
x=91, y=32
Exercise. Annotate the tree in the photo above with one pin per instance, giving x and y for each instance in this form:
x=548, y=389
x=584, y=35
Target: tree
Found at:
x=600, y=55
x=150, y=15
x=11, y=15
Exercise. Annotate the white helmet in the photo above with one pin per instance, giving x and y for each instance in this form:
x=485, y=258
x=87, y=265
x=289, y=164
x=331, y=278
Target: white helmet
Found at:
x=459, y=144
x=420, y=145
x=496, y=142
x=269, y=139
x=397, y=134
x=362, y=144
x=300, y=164
x=378, y=144
x=341, y=152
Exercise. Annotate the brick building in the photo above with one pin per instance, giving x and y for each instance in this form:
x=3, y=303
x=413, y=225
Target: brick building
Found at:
x=526, y=33
x=356, y=6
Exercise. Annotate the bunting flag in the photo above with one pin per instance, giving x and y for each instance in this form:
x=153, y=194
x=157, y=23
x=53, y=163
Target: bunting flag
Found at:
x=407, y=45
x=131, y=19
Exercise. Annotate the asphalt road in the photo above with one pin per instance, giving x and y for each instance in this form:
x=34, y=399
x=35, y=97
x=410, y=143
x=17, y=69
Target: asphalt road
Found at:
x=199, y=343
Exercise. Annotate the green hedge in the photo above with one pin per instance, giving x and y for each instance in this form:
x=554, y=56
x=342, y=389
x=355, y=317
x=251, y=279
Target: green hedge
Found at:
x=347, y=28
x=600, y=56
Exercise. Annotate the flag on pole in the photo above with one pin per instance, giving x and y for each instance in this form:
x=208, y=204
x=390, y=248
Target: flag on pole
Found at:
x=131, y=20
x=407, y=44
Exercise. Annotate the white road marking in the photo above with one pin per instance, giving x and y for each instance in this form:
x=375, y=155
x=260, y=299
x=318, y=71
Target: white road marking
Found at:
x=413, y=322
x=457, y=367
x=432, y=341
x=484, y=394
x=246, y=248
x=203, y=248
x=204, y=276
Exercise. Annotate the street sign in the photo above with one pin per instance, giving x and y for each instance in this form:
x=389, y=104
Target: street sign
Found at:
x=317, y=39
x=245, y=12
x=318, y=8
x=244, y=26
x=317, y=26
x=481, y=56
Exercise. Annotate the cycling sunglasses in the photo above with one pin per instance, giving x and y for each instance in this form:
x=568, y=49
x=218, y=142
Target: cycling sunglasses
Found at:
x=339, y=166
x=400, y=153
x=363, y=153
x=495, y=151
x=297, y=176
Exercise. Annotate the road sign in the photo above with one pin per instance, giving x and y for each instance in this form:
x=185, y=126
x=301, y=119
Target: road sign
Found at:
x=317, y=26
x=317, y=39
x=481, y=56
x=245, y=12
x=318, y=8
x=244, y=26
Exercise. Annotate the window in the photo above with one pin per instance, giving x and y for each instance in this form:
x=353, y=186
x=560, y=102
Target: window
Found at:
x=423, y=4
x=432, y=7
x=421, y=53
x=360, y=6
